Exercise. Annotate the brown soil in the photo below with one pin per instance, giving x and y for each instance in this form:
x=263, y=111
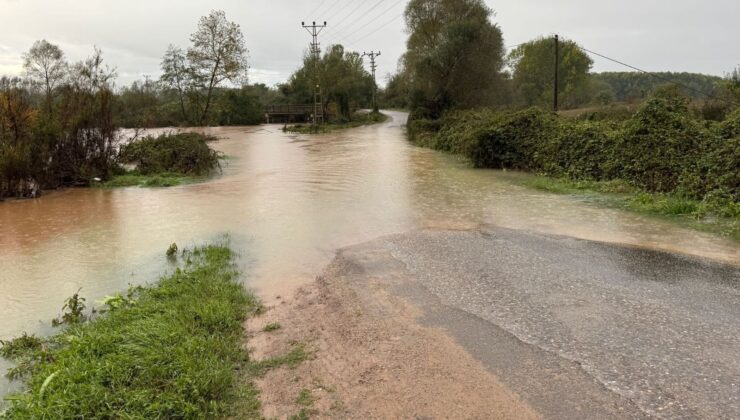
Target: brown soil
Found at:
x=369, y=356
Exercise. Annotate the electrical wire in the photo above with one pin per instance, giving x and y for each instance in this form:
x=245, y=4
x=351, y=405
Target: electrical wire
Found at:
x=343, y=25
x=383, y=13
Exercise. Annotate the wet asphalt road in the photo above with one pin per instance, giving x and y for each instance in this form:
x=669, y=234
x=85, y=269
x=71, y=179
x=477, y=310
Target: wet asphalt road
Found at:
x=581, y=329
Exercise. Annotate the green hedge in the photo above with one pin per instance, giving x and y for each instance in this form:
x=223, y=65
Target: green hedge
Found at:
x=661, y=148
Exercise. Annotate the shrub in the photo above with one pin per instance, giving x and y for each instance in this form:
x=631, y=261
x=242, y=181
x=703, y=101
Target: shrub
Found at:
x=578, y=150
x=730, y=127
x=660, y=143
x=184, y=153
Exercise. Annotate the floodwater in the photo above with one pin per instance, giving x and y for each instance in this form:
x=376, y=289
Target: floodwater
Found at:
x=287, y=202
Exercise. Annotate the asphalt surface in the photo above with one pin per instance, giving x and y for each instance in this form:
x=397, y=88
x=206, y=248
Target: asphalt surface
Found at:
x=579, y=329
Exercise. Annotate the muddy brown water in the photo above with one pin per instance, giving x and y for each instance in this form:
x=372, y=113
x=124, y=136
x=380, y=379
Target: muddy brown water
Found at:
x=287, y=203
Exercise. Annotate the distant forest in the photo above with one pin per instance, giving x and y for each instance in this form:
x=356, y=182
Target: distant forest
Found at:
x=634, y=86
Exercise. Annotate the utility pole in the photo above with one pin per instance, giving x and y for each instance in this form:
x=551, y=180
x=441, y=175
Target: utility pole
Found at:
x=373, y=67
x=315, y=30
x=557, y=73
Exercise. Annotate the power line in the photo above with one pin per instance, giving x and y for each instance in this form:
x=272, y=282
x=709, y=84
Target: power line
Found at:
x=341, y=9
x=317, y=7
x=370, y=21
x=343, y=25
x=377, y=29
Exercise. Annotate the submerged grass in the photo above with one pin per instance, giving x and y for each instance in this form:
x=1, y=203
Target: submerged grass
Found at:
x=721, y=218
x=358, y=120
x=135, y=179
x=172, y=351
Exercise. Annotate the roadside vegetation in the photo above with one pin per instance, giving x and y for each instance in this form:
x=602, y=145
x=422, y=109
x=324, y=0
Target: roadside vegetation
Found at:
x=358, y=119
x=169, y=350
x=665, y=159
x=670, y=148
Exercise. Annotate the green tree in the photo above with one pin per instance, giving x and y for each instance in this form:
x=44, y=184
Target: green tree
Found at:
x=177, y=75
x=454, y=56
x=533, y=65
x=217, y=54
x=344, y=81
x=45, y=66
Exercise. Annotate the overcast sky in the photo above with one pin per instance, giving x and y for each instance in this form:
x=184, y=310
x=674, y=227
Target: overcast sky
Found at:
x=656, y=35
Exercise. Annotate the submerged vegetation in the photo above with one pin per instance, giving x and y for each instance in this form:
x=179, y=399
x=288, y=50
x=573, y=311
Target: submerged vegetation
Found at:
x=165, y=161
x=169, y=350
x=357, y=120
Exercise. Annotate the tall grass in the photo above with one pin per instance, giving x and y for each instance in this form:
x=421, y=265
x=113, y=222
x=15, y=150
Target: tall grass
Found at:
x=171, y=350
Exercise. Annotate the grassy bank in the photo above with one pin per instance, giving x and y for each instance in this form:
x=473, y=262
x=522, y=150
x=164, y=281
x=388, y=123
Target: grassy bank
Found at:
x=135, y=179
x=673, y=162
x=358, y=120
x=693, y=213
x=169, y=350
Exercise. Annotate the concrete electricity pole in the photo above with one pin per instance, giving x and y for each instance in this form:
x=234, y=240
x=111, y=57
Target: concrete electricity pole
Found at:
x=373, y=66
x=557, y=73
x=315, y=30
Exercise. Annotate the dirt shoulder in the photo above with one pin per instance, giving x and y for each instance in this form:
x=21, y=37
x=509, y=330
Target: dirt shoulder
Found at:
x=370, y=358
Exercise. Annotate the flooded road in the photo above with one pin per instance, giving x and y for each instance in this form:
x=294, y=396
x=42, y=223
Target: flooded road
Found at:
x=287, y=202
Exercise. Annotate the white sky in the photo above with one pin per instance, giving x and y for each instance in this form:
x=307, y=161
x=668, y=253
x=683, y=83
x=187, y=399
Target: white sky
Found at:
x=656, y=35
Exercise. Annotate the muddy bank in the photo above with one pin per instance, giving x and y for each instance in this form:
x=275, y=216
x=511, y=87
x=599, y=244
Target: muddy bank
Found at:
x=464, y=324
x=370, y=358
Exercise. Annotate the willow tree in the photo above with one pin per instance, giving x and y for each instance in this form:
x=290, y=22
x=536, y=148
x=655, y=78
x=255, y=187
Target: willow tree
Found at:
x=454, y=56
x=217, y=54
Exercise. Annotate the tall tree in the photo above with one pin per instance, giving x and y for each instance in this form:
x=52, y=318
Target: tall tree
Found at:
x=454, y=55
x=217, y=54
x=534, y=70
x=45, y=66
x=177, y=74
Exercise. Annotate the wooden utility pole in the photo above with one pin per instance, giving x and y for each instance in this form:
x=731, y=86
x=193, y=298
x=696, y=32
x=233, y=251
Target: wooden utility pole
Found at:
x=557, y=73
x=373, y=67
x=318, y=106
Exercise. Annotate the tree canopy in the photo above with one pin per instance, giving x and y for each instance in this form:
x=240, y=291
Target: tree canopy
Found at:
x=345, y=84
x=533, y=65
x=454, y=55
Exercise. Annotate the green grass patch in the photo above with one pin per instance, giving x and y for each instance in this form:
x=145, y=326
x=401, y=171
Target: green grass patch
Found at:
x=292, y=359
x=135, y=179
x=716, y=216
x=305, y=398
x=358, y=120
x=273, y=326
x=169, y=350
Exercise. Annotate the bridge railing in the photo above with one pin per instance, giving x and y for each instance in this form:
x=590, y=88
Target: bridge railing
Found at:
x=289, y=109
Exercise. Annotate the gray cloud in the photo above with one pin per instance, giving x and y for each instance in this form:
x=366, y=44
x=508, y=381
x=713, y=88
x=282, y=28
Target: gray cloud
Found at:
x=677, y=35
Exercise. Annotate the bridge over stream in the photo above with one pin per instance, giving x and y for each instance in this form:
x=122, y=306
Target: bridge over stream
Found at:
x=290, y=113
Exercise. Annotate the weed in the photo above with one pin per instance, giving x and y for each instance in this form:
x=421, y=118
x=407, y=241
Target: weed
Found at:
x=75, y=308
x=271, y=327
x=20, y=346
x=297, y=355
x=172, y=251
x=305, y=398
